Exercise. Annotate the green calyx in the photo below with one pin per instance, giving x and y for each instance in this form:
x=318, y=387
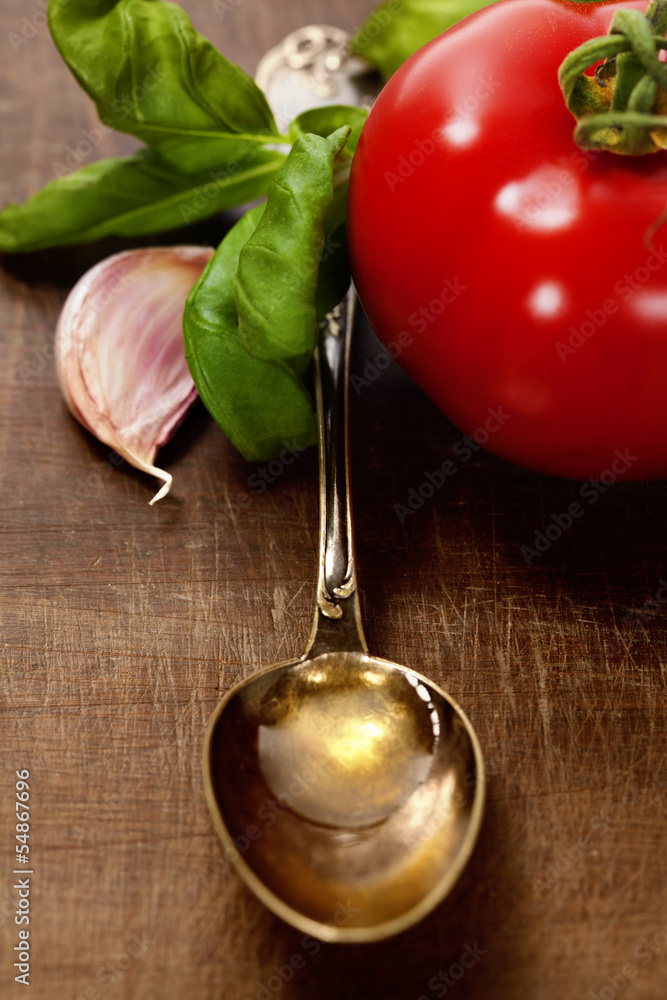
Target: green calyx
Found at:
x=622, y=108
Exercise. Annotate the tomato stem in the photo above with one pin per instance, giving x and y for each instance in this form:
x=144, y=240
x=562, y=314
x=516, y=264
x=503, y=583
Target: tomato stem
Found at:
x=622, y=107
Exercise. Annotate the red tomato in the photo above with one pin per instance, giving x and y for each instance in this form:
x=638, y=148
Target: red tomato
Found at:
x=517, y=263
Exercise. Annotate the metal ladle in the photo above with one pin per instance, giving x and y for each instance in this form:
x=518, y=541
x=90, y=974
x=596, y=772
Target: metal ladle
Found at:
x=347, y=790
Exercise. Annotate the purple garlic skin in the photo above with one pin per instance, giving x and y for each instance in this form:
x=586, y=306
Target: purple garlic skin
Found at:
x=120, y=355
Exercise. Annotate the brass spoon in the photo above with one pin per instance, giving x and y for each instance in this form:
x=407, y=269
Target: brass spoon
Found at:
x=347, y=790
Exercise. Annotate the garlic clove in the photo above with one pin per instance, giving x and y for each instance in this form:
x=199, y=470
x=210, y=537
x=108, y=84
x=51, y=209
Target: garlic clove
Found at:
x=120, y=356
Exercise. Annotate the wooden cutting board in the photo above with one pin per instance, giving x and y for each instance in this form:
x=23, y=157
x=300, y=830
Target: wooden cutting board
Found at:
x=122, y=624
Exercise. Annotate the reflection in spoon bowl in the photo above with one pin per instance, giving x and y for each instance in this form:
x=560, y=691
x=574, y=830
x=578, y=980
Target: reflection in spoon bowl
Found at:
x=345, y=779
x=361, y=730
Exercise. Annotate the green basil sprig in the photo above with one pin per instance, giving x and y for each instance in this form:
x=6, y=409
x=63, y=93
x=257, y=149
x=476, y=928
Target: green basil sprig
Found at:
x=261, y=290
x=152, y=75
x=130, y=196
x=211, y=144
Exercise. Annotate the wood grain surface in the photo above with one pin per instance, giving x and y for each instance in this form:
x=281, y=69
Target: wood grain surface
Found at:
x=122, y=624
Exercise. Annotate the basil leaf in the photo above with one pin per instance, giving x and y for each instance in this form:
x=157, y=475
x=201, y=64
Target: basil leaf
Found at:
x=323, y=121
x=262, y=406
x=209, y=151
x=130, y=197
x=275, y=273
x=277, y=276
x=152, y=75
x=334, y=275
x=397, y=28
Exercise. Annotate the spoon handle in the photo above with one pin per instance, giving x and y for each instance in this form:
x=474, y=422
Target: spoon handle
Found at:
x=337, y=625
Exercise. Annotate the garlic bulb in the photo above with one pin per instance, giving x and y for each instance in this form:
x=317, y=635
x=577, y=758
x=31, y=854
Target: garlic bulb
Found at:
x=119, y=350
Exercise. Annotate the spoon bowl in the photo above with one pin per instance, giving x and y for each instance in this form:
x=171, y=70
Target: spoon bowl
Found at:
x=347, y=790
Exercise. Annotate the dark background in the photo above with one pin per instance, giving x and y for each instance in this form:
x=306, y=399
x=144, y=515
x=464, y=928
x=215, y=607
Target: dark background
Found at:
x=122, y=624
